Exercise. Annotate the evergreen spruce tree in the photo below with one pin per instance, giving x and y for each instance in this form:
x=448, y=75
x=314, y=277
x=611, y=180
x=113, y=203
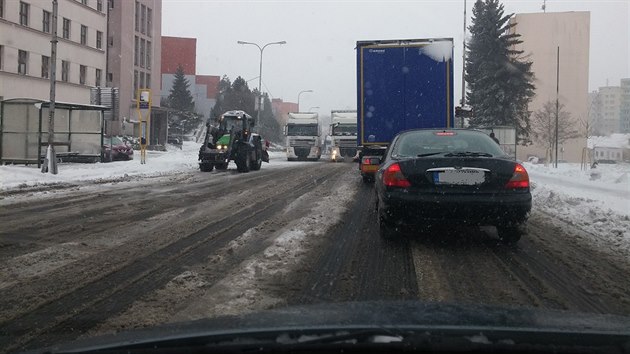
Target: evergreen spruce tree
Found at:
x=500, y=81
x=180, y=97
x=183, y=119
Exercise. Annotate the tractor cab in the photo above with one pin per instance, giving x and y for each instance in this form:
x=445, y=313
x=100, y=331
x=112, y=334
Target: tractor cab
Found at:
x=235, y=121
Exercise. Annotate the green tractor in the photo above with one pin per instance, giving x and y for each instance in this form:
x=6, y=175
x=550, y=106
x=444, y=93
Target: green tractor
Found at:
x=232, y=140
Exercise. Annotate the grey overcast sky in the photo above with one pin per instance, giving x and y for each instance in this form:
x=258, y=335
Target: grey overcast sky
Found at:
x=321, y=36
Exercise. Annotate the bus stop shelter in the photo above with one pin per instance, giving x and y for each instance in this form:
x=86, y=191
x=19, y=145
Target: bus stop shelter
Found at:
x=24, y=131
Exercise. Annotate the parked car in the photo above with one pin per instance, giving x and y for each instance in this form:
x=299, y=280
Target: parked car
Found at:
x=446, y=176
x=115, y=148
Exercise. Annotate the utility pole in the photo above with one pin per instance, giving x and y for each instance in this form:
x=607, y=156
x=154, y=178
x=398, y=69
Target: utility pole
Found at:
x=464, y=61
x=557, y=101
x=50, y=163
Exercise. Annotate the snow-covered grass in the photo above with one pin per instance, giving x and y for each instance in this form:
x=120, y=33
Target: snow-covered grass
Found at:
x=595, y=200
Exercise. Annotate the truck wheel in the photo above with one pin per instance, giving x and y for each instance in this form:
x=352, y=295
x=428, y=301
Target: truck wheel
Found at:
x=206, y=167
x=243, y=163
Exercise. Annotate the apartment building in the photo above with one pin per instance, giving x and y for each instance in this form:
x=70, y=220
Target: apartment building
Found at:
x=542, y=34
x=25, y=49
x=180, y=51
x=134, y=47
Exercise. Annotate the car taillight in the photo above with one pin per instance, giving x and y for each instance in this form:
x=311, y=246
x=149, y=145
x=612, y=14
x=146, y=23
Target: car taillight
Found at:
x=393, y=177
x=520, y=178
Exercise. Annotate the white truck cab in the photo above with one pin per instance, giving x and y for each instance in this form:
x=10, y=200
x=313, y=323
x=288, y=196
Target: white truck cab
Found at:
x=343, y=134
x=303, y=136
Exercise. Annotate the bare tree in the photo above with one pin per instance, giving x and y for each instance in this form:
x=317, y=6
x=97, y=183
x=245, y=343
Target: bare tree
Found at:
x=544, y=125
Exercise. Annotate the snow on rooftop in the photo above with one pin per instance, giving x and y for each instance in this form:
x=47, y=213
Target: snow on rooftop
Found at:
x=612, y=141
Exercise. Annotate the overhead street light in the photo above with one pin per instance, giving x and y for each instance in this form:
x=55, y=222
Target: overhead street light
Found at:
x=260, y=73
x=298, y=102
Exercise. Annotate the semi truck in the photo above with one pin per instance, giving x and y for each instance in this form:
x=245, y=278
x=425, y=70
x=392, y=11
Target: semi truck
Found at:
x=401, y=85
x=303, y=136
x=343, y=135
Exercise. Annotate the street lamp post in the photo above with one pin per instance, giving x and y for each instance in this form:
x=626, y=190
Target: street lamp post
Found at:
x=260, y=73
x=298, y=102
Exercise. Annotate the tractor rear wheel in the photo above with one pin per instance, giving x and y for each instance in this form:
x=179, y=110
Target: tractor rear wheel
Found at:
x=258, y=162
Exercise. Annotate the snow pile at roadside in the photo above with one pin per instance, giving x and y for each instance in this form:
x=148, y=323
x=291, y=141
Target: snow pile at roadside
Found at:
x=600, y=206
x=158, y=163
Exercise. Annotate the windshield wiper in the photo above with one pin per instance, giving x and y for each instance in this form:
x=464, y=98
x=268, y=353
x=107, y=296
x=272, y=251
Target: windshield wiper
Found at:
x=430, y=154
x=468, y=153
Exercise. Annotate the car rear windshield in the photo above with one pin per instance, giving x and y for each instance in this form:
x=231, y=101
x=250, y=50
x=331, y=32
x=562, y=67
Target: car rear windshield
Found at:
x=425, y=142
x=113, y=141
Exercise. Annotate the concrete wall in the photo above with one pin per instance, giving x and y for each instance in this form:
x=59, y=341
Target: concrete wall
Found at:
x=542, y=33
x=32, y=39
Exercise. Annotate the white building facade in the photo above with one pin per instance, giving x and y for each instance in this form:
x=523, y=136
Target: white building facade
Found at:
x=25, y=49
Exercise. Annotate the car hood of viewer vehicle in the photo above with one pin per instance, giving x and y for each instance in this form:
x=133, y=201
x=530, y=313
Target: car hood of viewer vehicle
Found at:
x=477, y=324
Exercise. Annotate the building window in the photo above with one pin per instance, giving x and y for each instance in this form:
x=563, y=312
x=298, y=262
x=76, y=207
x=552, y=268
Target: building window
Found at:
x=1, y=8
x=142, y=58
x=143, y=20
x=137, y=16
x=24, y=10
x=110, y=40
x=136, y=50
x=1, y=55
x=110, y=77
x=99, y=5
x=97, y=80
x=135, y=83
x=99, y=39
x=65, y=70
x=45, y=66
x=66, y=28
x=22, y=62
x=84, y=34
x=111, y=4
x=82, y=74
x=148, y=55
x=142, y=80
x=84, y=2
x=46, y=22
x=149, y=22
x=148, y=81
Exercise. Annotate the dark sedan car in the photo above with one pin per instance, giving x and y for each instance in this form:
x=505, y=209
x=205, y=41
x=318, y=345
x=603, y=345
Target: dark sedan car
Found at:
x=441, y=177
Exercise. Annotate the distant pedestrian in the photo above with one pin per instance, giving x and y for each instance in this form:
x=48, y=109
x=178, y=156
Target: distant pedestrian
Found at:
x=494, y=138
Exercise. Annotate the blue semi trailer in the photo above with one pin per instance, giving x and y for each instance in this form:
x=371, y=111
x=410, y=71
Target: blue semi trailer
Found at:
x=401, y=85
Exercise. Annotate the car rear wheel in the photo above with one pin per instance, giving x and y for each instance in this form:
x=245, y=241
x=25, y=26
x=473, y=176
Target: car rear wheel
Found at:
x=386, y=230
x=511, y=234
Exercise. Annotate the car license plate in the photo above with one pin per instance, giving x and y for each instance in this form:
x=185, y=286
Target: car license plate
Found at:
x=369, y=168
x=459, y=176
